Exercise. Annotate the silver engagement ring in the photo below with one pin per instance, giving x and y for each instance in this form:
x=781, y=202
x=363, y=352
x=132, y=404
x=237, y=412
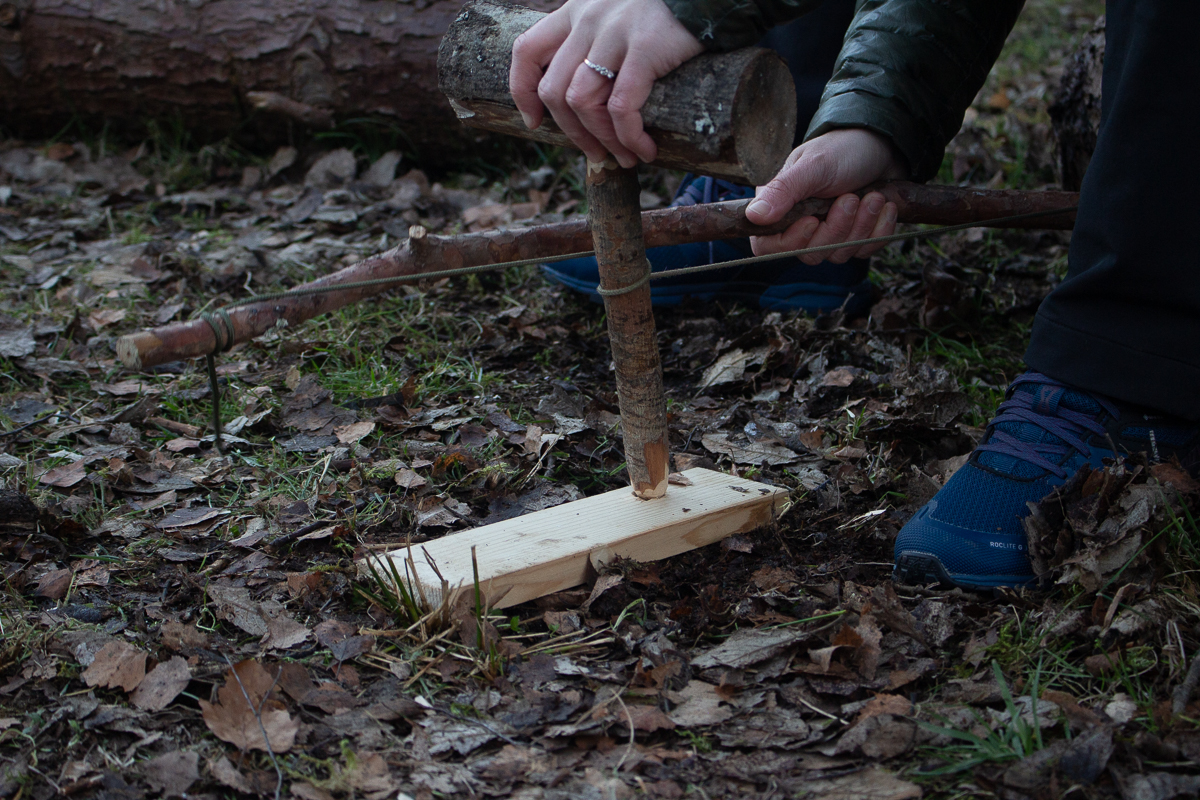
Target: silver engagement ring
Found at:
x=605, y=71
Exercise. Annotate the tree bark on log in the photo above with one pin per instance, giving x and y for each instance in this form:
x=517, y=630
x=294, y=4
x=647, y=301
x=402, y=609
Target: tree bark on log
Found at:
x=942, y=205
x=624, y=271
x=130, y=61
x=729, y=115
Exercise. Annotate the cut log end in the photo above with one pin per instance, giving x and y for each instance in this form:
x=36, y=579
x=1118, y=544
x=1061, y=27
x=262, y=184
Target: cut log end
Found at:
x=657, y=455
x=128, y=351
x=764, y=118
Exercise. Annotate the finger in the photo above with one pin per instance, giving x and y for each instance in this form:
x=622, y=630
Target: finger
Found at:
x=532, y=52
x=796, y=237
x=836, y=227
x=869, y=210
x=553, y=92
x=885, y=226
x=629, y=94
x=588, y=97
x=804, y=177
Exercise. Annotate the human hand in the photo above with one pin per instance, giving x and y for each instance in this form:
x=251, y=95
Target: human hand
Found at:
x=639, y=40
x=831, y=165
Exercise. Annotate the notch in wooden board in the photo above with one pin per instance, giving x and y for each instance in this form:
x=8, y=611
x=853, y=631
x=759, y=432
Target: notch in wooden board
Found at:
x=550, y=550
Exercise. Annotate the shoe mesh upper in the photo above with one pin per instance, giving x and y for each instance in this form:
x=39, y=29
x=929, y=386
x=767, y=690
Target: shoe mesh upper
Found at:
x=978, y=500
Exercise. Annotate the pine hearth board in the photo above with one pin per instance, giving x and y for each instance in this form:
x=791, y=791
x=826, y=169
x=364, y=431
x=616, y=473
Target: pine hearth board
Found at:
x=547, y=551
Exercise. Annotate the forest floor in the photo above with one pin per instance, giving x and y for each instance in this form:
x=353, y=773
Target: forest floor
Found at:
x=178, y=622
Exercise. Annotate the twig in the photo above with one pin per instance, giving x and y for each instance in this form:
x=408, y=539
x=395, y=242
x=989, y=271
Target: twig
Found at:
x=284, y=538
x=632, y=736
x=1183, y=693
x=822, y=713
x=258, y=718
x=26, y=425
x=45, y=777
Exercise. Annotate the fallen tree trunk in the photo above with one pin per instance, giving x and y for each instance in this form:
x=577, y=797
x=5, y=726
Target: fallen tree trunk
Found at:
x=939, y=205
x=210, y=63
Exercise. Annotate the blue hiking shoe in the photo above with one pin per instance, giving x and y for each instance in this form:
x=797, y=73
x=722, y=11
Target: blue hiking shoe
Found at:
x=778, y=285
x=971, y=533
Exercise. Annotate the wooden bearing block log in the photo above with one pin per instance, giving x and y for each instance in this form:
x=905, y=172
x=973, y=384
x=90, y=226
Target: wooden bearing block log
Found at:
x=730, y=115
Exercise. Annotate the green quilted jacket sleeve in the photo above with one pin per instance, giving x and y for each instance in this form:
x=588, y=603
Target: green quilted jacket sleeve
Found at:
x=908, y=68
x=729, y=24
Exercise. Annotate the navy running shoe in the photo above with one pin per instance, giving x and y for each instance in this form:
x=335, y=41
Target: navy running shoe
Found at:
x=779, y=285
x=971, y=533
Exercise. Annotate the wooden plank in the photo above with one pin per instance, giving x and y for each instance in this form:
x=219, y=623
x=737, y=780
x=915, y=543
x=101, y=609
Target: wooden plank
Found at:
x=550, y=550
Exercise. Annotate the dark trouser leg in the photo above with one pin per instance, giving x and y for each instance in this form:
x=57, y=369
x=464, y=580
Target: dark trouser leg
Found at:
x=1126, y=321
x=810, y=45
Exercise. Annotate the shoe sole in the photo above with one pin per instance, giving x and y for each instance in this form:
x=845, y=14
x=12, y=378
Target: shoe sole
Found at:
x=914, y=568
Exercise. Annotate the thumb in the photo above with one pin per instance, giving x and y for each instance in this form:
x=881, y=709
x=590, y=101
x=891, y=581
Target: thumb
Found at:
x=800, y=179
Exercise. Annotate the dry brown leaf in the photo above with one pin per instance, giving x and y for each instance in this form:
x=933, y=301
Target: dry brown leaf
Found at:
x=648, y=719
x=756, y=453
x=54, y=584
x=370, y=775
x=533, y=440
x=874, y=783
x=126, y=388
x=349, y=434
x=95, y=576
x=66, y=476
x=189, y=517
x=823, y=657
x=106, y=316
x=407, y=479
x=342, y=639
x=731, y=366
x=603, y=584
x=562, y=622
x=16, y=340
x=174, y=773
x=885, y=704
x=233, y=720
x=227, y=775
x=750, y=646
x=117, y=664
x=699, y=704
x=840, y=378
x=283, y=631
x=867, y=655
x=267, y=619
x=161, y=685
x=886, y=605
x=302, y=584
x=181, y=637
x=306, y=791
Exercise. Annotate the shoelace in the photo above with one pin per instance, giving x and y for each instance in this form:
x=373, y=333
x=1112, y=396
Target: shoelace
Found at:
x=1067, y=425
